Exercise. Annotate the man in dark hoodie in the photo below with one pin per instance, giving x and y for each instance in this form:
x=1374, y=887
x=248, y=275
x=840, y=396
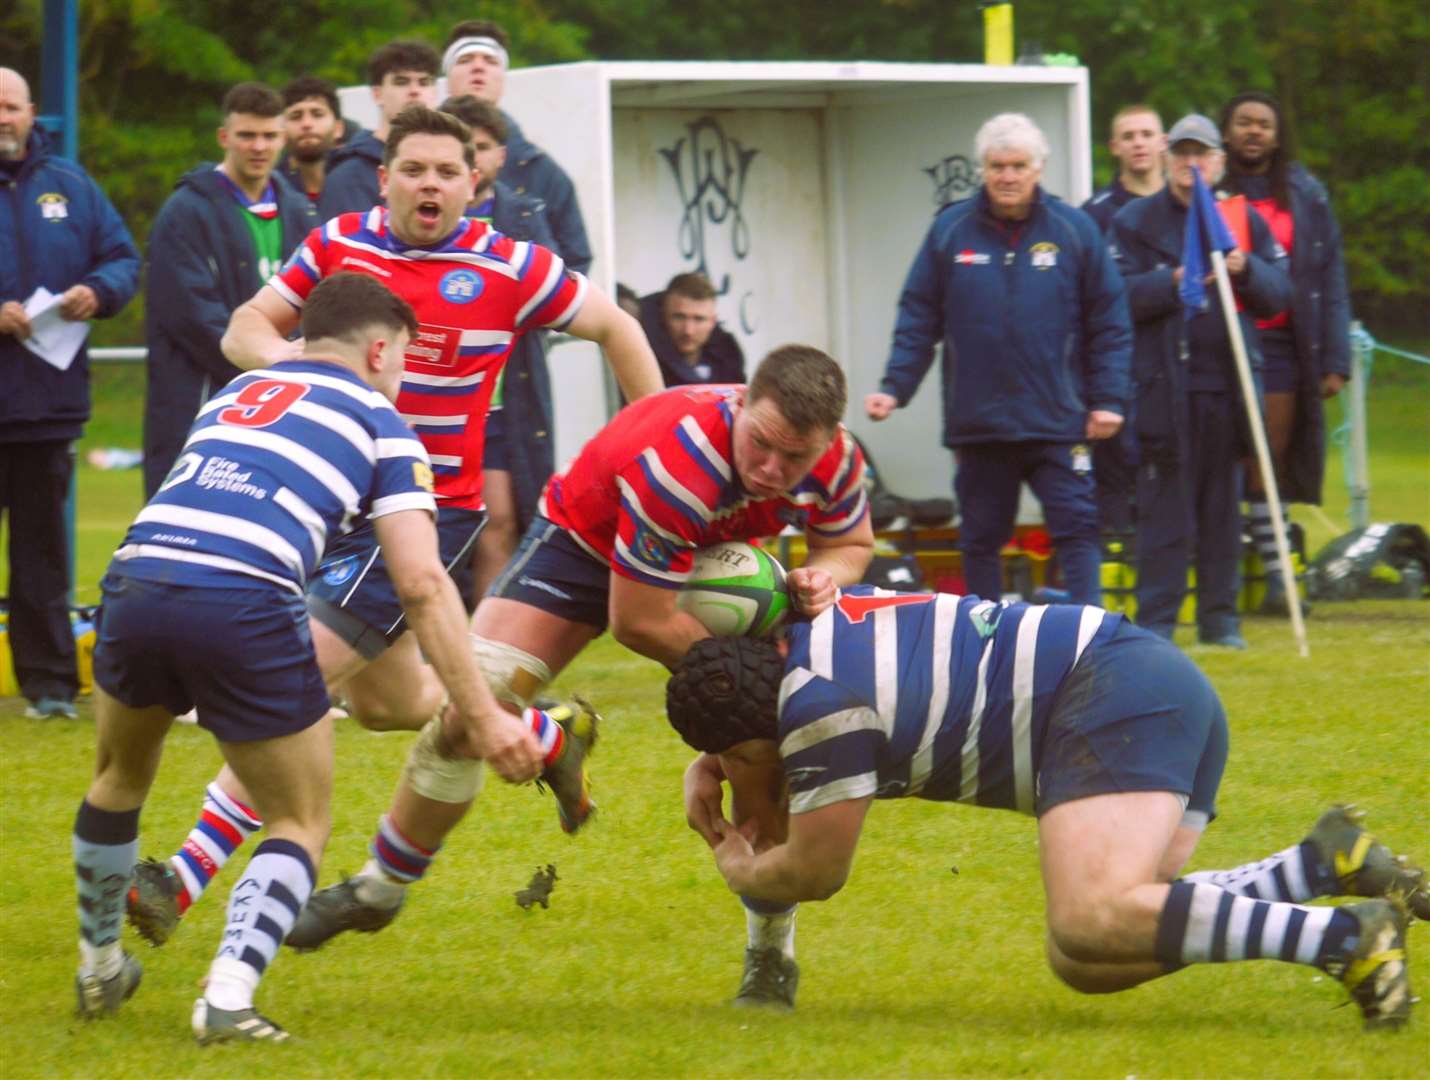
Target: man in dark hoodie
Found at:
x=475, y=62
x=401, y=73
x=57, y=231
x=689, y=343
x=225, y=230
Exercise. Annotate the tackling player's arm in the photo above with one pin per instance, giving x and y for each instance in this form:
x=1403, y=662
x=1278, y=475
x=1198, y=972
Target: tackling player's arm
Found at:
x=834, y=562
x=645, y=618
x=257, y=334
x=812, y=864
x=476, y=726
x=622, y=340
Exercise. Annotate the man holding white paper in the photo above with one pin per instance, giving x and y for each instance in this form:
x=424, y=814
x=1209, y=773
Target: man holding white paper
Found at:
x=59, y=235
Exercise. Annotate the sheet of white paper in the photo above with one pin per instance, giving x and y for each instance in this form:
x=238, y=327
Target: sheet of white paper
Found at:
x=53, y=338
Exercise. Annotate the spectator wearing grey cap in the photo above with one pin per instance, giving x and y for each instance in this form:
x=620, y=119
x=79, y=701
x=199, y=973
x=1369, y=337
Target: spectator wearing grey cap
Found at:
x=1190, y=419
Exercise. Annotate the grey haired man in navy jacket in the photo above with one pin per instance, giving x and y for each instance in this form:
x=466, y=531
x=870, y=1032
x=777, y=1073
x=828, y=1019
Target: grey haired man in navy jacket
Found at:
x=1032, y=314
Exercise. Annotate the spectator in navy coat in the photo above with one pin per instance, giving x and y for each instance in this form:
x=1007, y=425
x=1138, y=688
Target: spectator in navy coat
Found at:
x=1032, y=314
x=59, y=232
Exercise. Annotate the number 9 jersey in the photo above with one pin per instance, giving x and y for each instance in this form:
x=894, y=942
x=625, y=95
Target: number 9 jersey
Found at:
x=276, y=464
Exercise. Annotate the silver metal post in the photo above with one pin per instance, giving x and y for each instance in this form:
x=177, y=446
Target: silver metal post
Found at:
x=1361, y=348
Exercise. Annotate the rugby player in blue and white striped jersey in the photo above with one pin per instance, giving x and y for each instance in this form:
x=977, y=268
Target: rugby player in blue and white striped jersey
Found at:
x=1105, y=732
x=204, y=608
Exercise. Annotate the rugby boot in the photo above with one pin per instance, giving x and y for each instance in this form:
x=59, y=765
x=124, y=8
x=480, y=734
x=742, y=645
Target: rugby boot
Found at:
x=333, y=910
x=1376, y=973
x=102, y=997
x=1363, y=865
x=770, y=981
x=153, y=900
x=566, y=776
x=214, y=1025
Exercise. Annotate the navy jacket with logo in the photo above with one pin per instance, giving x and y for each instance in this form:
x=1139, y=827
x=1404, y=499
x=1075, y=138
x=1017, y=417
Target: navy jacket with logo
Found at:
x=57, y=229
x=1033, y=321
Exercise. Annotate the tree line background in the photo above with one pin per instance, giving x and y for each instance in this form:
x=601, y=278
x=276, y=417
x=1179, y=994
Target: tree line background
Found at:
x=1353, y=76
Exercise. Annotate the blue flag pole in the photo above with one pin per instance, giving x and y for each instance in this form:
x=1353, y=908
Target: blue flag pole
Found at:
x=1206, y=229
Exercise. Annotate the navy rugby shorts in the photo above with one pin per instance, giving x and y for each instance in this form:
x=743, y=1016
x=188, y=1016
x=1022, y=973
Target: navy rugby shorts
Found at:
x=551, y=571
x=1134, y=714
x=353, y=596
x=243, y=657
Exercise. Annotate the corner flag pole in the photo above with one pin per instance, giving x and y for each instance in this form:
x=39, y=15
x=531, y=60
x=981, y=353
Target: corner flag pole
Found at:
x=1258, y=437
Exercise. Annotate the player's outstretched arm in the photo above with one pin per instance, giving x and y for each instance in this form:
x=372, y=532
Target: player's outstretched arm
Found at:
x=645, y=618
x=476, y=726
x=812, y=864
x=257, y=334
x=623, y=341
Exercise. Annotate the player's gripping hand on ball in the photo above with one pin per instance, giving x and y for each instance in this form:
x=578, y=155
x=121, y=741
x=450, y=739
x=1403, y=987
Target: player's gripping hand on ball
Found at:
x=496, y=737
x=812, y=589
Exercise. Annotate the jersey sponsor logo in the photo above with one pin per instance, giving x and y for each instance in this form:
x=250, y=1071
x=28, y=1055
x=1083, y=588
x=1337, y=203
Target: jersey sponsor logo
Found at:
x=434, y=345
x=183, y=469
x=856, y=608
x=460, y=286
x=1044, y=256
x=422, y=476
x=53, y=206
x=221, y=474
x=337, y=573
x=972, y=258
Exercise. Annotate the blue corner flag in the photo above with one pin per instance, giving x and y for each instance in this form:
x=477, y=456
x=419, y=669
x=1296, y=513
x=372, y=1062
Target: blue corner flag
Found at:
x=1206, y=231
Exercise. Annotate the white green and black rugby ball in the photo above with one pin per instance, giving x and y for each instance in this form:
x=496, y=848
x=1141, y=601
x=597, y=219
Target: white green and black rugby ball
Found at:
x=737, y=590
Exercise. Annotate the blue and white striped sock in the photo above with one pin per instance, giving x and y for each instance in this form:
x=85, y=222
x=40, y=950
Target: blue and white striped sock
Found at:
x=105, y=843
x=1203, y=924
x=261, y=910
x=1294, y=875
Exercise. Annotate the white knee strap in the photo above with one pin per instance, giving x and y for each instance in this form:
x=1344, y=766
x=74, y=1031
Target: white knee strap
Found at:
x=514, y=675
x=433, y=775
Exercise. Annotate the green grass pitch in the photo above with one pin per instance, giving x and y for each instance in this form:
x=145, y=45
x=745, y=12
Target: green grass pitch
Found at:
x=911, y=970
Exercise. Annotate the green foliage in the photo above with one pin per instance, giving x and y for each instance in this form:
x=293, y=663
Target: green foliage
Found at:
x=1352, y=75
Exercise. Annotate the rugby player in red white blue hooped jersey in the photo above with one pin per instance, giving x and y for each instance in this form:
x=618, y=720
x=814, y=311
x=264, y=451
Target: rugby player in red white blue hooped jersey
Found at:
x=659, y=481
x=474, y=292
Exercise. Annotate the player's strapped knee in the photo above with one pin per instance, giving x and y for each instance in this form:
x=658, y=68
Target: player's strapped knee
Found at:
x=434, y=775
x=514, y=675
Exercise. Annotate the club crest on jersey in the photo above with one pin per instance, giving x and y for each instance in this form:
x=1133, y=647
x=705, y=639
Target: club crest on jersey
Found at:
x=340, y=572
x=1044, y=256
x=422, y=476
x=652, y=548
x=53, y=206
x=972, y=258
x=460, y=286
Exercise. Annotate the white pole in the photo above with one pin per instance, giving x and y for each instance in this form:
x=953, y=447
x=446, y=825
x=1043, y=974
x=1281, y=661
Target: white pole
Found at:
x=1360, y=475
x=1258, y=437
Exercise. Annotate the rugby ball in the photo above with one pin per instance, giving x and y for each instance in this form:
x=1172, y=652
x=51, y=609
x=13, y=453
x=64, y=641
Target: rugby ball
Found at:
x=736, y=590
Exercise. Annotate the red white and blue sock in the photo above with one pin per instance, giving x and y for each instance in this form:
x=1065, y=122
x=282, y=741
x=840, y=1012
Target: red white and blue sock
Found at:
x=223, y=826
x=548, y=732
x=261, y=910
x=1203, y=924
x=397, y=857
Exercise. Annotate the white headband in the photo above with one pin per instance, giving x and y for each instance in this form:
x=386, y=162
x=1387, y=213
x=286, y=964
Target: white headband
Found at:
x=462, y=46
